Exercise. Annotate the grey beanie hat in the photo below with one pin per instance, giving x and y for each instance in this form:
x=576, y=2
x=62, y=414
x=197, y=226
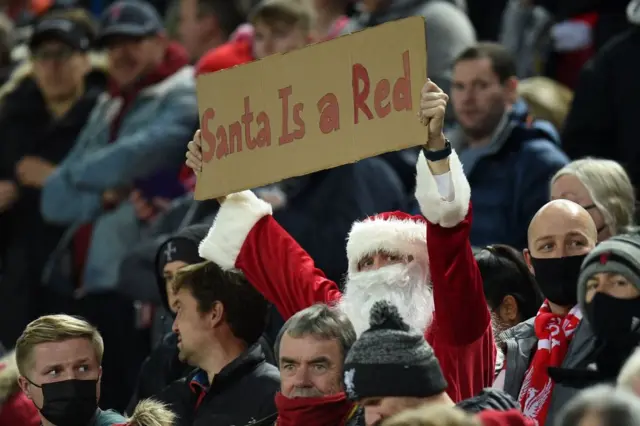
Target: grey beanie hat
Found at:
x=618, y=255
x=390, y=360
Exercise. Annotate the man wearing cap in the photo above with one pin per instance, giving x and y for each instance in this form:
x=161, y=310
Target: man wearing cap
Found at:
x=391, y=368
x=389, y=258
x=44, y=107
x=609, y=296
x=133, y=136
x=127, y=155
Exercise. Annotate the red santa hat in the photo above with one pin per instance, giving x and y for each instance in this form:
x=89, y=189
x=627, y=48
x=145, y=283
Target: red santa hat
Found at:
x=392, y=232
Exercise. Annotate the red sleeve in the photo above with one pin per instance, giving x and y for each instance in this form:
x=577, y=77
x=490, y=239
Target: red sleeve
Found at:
x=461, y=309
x=18, y=410
x=461, y=333
x=245, y=236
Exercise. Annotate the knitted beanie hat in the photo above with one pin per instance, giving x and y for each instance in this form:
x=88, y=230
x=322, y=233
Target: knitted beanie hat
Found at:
x=390, y=360
x=617, y=255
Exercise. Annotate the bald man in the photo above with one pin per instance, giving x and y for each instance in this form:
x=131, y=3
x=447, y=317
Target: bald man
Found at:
x=560, y=236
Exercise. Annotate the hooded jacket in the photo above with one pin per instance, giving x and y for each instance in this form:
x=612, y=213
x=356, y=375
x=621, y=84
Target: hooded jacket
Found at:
x=162, y=366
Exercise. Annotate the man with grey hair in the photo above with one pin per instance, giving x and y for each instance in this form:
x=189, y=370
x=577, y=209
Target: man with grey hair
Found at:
x=310, y=350
x=603, y=406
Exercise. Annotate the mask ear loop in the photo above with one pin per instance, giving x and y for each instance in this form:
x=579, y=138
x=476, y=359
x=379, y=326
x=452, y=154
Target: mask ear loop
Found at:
x=39, y=387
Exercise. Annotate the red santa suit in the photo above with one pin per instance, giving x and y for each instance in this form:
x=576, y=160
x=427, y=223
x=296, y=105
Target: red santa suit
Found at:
x=245, y=236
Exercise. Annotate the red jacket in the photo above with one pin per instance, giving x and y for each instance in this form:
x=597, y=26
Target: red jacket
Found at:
x=228, y=55
x=245, y=236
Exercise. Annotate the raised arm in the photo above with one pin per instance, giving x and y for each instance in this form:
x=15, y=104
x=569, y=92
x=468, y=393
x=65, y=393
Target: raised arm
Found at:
x=461, y=311
x=443, y=192
x=245, y=236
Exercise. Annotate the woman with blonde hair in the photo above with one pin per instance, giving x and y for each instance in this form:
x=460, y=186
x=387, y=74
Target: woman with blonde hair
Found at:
x=603, y=188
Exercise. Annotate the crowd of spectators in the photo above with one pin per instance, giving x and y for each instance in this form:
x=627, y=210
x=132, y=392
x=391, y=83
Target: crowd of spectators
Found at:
x=98, y=218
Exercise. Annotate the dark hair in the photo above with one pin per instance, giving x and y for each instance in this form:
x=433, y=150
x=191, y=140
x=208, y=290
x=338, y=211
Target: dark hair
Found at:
x=504, y=272
x=502, y=61
x=227, y=13
x=245, y=310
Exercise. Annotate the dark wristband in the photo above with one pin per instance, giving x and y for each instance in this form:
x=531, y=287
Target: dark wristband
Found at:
x=441, y=154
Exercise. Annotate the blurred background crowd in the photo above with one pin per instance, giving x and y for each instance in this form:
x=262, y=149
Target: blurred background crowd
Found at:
x=98, y=101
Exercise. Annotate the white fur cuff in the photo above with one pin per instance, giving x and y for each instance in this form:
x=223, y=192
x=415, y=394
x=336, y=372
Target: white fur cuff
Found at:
x=432, y=204
x=235, y=219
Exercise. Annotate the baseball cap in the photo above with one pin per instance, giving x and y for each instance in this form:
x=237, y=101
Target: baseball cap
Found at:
x=64, y=30
x=129, y=18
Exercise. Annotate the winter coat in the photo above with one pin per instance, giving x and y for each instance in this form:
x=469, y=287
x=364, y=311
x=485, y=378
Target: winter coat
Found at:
x=27, y=239
x=151, y=137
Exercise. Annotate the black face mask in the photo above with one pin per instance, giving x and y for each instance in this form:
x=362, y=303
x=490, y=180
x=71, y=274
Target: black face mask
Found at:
x=612, y=318
x=69, y=402
x=558, y=278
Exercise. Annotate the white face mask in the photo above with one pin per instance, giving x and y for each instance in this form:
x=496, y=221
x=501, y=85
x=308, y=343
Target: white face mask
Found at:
x=406, y=286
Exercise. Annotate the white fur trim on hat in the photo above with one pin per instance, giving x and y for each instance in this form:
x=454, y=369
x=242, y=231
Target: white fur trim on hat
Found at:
x=432, y=204
x=237, y=216
x=370, y=236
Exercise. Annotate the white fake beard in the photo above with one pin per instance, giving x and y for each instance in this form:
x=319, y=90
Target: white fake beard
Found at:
x=406, y=286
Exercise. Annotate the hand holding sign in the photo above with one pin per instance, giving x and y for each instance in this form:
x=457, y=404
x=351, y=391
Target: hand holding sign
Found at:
x=194, y=156
x=194, y=153
x=433, y=104
x=295, y=114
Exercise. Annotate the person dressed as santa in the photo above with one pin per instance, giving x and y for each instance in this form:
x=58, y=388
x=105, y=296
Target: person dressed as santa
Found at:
x=433, y=281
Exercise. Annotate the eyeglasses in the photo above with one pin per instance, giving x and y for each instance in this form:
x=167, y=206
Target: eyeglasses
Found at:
x=58, y=54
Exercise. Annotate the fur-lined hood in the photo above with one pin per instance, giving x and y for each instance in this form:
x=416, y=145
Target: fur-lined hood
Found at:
x=8, y=376
x=149, y=412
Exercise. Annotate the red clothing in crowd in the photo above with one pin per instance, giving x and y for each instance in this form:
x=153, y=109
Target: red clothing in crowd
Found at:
x=15, y=408
x=460, y=334
x=18, y=410
x=228, y=55
x=504, y=418
x=569, y=64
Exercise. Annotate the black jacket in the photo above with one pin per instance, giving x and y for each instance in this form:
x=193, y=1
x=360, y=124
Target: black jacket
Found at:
x=26, y=240
x=161, y=368
x=601, y=122
x=243, y=392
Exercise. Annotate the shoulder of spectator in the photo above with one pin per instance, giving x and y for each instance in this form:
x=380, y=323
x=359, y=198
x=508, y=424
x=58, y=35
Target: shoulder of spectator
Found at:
x=544, y=152
x=19, y=74
x=183, y=81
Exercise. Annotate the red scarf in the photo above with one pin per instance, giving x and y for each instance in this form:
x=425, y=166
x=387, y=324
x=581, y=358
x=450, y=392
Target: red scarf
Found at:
x=554, y=333
x=333, y=410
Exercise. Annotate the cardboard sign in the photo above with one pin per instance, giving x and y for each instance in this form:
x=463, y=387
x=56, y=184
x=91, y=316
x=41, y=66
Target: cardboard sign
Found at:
x=323, y=106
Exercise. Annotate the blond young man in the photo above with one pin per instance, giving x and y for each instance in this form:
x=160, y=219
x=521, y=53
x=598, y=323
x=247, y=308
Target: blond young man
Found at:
x=59, y=360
